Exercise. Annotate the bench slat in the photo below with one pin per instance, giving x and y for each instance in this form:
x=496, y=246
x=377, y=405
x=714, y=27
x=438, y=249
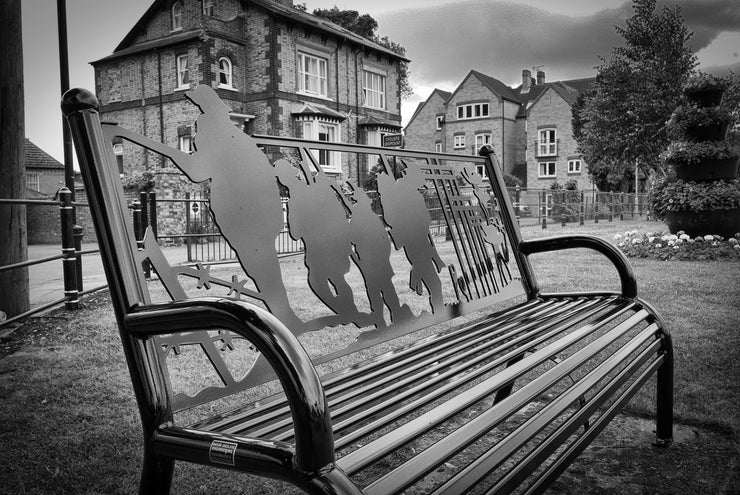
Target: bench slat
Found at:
x=429, y=459
x=493, y=458
x=359, y=458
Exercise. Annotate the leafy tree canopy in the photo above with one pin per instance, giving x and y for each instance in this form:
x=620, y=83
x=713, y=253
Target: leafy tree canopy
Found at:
x=365, y=26
x=622, y=121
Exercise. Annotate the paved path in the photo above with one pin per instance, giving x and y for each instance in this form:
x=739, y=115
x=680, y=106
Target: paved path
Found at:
x=46, y=280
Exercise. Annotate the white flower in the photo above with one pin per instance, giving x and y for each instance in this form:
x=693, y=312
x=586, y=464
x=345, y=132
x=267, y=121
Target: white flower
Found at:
x=708, y=237
x=676, y=248
x=681, y=233
x=715, y=244
x=627, y=233
x=634, y=232
x=736, y=247
x=691, y=241
x=651, y=239
x=684, y=237
x=658, y=246
x=733, y=241
x=673, y=237
x=671, y=242
x=679, y=241
x=665, y=238
x=621, y=244
x=650, y=234
x=636, y=241
x=617, y=237
x=699, y=239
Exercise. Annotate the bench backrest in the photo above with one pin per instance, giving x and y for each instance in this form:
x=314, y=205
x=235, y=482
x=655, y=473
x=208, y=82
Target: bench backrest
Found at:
x=370, y=270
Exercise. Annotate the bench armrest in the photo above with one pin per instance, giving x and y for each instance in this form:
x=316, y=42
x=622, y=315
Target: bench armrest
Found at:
x=297, y=375
x=617, y=257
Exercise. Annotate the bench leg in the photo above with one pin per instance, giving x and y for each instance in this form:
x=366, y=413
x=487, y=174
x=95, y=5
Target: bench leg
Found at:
x=664, y=395
x=156, y=475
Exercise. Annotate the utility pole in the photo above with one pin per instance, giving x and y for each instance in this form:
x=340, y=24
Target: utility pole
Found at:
x=14, y=295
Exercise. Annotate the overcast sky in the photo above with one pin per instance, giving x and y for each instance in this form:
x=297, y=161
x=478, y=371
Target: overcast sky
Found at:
x=444, y=40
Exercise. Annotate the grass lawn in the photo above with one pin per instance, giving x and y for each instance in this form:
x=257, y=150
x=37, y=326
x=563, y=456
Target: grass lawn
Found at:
x=69, y=424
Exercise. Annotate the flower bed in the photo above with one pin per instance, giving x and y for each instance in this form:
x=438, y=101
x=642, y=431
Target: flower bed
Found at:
x=679, y=246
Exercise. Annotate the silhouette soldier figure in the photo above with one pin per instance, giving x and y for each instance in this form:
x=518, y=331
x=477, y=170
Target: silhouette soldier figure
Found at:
x=405, y=213
x=245, y=199
x=372, y=256
x=318, y=218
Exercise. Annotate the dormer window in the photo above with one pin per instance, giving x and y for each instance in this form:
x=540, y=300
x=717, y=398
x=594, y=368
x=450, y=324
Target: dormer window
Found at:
x=225, y=73
x=177, y=16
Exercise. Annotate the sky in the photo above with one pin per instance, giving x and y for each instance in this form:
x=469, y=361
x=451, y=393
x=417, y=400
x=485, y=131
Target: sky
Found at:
x=443, y=39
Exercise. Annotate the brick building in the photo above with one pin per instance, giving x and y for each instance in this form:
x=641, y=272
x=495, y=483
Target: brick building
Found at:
x=281, y=70
x=529, y=126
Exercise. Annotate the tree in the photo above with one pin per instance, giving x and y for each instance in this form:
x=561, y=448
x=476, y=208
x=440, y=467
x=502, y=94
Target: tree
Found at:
x=621, y=124
x=365, y=26
x=13, y=249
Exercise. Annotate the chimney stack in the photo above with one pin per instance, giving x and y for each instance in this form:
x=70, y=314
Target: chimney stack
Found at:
x=540, y=77
x=526, y=80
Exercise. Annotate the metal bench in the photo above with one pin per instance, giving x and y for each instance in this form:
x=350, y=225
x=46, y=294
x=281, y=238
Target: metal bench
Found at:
x=382, y=359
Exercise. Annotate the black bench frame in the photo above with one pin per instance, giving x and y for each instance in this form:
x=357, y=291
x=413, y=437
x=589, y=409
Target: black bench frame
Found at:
x=301, y=443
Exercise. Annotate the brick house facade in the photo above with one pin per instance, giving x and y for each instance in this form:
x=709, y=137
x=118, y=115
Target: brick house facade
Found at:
x=282, y=72
x=528, y=126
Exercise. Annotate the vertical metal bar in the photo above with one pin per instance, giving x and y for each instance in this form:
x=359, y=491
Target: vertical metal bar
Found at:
x=596, y=207
x=517, y=199
x=563, y=208
x=69, y=177
x=144, y=201
x=139, y=229
x=188, y=242
x=77, y=234
x=153, y=212
x=543, y=208
x=611, y=206
x=69, y=262
x=582, y=209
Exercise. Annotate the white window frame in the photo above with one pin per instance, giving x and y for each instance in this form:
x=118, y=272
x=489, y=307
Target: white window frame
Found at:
x=547, y=142
x=574, y=166
x=177, y=11
x=373, y=89
x=227, y=71
x=438, y=147
x=183, y=72
x=440, y=120
x=319, y=130
x=375, y=137
x=470, y=111
x=307, y=80
x=185, y=143
x=459, y=141
x=551, y=169
x=33, y=181
x=208, y=7
x=482, y=139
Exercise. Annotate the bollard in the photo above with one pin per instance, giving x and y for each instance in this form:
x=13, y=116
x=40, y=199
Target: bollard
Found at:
x=78, y=232
x=69, y=261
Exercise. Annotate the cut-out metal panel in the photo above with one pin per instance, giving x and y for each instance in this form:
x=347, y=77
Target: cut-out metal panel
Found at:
x=426, y=245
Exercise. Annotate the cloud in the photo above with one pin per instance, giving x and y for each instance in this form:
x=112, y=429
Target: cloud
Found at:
x=502, y=38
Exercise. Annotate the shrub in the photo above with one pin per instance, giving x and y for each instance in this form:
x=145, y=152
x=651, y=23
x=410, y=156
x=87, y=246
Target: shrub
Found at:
x=695, y=152
x=669, y=194
x=691, y=115
x=138, y=181
x=679, y=246
x=703, y=82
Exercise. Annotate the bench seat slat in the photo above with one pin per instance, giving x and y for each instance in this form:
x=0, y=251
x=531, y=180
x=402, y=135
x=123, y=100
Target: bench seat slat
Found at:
x=437, y=454
x=528, y=334
x=351, y=378
x=554, y=470
x=356, y=460
x=495, y=456
x=442, y=370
